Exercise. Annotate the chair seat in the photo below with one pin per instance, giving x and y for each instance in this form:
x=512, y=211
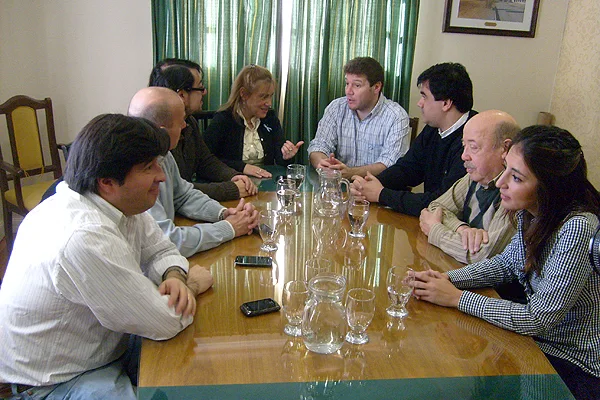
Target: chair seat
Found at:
x=32, y=194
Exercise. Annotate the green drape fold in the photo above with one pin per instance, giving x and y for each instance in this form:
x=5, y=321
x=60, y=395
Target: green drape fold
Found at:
x=221, y=35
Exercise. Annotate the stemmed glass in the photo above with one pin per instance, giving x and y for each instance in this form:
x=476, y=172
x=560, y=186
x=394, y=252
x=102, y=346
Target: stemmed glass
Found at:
x=295, y=295
x=316, y=266
x=286, y=192
x=360, y=310
x=399, y=287
x=358, y=213
x=267, y=227
x=297, y=172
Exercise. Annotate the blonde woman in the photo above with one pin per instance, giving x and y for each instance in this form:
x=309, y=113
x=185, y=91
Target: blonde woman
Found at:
x=246, y=133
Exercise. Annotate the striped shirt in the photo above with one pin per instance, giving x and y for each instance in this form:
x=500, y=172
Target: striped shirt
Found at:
x=562, y=311
x=382, y=137
x=81, y=276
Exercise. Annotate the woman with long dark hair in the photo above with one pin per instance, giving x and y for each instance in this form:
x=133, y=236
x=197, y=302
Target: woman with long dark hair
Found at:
x=545, y=186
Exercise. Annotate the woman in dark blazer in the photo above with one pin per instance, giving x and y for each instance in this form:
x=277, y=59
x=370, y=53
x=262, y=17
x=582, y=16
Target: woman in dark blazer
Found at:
x=246, y=133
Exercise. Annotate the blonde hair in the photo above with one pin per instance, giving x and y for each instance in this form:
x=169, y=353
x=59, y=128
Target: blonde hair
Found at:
x=249, y=78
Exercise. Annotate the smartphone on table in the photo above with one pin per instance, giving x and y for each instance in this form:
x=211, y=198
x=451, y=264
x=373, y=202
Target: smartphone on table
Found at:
x=259, y=307
x=254, y=261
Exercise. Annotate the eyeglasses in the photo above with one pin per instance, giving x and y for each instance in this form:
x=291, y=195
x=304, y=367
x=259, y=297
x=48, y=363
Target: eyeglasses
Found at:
x=196, y=89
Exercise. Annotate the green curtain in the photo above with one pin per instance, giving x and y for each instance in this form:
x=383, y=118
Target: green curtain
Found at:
x=328, y=33
x=225, y=35
x=221, y=35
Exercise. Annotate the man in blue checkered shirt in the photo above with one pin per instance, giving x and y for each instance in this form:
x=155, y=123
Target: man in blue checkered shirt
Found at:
x=363, y=131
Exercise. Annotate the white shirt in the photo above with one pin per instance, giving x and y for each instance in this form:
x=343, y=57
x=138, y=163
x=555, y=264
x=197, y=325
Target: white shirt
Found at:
x=80, y=276
x=460, y=122
x=252, y=152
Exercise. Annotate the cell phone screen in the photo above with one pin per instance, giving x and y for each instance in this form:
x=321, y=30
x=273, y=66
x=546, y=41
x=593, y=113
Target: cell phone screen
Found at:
x=254, y=261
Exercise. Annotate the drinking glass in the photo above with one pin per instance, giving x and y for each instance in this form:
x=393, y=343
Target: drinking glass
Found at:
x=316, y=266
x=354, y=253
x=358, y=213
x=360, y=309
x=297, y=172
x=295, y=295
x=267, y=227
x=399, y=287
x=286, y=193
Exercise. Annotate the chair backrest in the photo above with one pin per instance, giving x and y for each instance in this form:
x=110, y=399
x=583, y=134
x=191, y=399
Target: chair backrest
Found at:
x=413, y=123
x=26, y=138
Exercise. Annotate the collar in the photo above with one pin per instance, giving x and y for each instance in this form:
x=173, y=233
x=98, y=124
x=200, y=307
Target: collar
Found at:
x=460, y=122
x=492, y=184
x=110, y=211
x=375, y=110
x=255, y=121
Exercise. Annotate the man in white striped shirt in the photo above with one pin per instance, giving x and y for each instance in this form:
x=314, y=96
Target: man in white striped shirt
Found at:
x=363, y=131
x=89, y=267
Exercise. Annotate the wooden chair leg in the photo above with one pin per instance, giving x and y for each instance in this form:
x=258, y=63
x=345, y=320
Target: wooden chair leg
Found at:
x=8, y=228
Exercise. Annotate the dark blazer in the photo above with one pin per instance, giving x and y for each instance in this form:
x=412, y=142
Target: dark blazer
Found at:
x=225, y=139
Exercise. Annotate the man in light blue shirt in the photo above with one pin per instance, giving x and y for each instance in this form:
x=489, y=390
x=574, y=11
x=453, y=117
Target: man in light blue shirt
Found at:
x=164, y=107
x=363, y=131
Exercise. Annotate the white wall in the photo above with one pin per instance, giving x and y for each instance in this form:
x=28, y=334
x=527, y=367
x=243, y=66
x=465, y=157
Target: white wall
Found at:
x=577, y=91
x=515, y=75
x=89, y=56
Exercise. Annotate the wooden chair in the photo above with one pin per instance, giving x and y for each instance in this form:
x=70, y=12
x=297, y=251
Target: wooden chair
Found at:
x=27, y=152
x=413, y=124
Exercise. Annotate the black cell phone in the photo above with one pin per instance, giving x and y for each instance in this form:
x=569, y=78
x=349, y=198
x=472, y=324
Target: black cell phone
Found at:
x=254, y=261
x=259, y=307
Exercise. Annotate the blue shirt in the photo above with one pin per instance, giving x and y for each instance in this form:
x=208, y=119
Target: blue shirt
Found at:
x=179, y=196
x=382, y=137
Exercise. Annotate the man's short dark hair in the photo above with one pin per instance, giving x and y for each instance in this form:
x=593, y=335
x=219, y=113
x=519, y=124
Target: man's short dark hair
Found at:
x=365, y=66
x=449, y=81
x=109, y=146
x=167, y=62
x=174, y=77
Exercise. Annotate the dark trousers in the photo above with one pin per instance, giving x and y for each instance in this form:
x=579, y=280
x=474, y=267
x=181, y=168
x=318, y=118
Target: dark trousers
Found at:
x=582, y=385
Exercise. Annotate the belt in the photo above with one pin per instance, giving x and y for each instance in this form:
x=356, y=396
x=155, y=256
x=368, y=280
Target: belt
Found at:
x=6, y=389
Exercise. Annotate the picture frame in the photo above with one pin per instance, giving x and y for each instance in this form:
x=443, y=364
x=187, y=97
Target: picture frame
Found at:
x=492, y=17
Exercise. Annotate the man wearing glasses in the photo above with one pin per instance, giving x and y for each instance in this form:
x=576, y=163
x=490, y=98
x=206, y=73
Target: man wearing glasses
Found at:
x=195, y=161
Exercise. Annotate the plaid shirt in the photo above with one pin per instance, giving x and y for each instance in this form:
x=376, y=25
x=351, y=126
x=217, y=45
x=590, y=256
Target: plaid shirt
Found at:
x=383, y=136
x=562, y=311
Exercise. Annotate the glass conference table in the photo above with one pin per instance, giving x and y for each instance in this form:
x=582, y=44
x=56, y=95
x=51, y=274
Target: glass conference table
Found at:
x=434, y=353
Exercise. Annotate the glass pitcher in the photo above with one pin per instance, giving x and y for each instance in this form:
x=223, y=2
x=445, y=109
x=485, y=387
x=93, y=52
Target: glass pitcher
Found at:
x=330, y=199
x=324, y=317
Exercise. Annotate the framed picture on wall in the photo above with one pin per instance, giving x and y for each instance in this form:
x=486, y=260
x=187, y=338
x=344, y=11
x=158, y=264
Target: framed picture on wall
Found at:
x=492, y=17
